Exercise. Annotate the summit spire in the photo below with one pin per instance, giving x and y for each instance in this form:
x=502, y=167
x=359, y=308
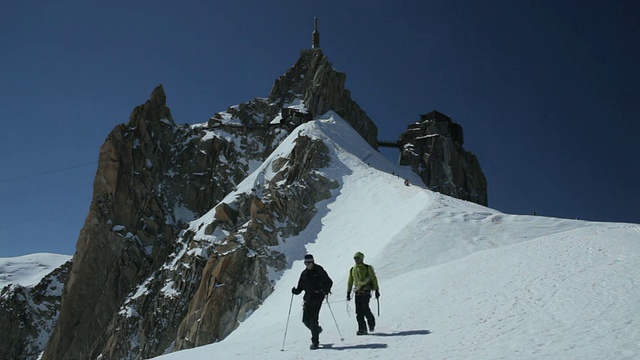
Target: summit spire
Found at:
x=315, y=37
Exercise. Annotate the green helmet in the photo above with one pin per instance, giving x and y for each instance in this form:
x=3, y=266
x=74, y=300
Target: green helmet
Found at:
x=358, y=255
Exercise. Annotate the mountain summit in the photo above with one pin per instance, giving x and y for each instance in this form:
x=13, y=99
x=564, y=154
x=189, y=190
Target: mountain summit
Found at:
x=315, y=82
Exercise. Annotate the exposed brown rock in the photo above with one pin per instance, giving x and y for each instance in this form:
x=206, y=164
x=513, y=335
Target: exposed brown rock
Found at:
x=234, y=281
x=226, y=213
x=321, y=87
x=433, y=148
x=132, y=223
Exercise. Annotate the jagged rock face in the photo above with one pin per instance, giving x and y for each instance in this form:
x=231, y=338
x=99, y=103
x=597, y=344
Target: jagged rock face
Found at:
x=314, y=80
x=235, y=281
x=227, y=260
x=136, y=267
x=28, y=314
x=153, y=177
x=433, y=148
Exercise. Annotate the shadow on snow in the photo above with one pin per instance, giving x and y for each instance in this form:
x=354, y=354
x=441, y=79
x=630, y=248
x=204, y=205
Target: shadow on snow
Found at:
x=352, y=347
x=403, y=333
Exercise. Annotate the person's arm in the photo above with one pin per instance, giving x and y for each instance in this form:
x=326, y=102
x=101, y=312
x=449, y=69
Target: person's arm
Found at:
x=298, y=289
x=350, y=284
x=374, y=279
x=327, y=282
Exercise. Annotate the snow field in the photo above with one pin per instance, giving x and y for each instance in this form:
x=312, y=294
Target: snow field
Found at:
x=28, y=270
x=457, y=280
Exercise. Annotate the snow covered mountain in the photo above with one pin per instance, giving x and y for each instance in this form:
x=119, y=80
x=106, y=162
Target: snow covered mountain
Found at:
x=28, y=270
x=458, y=280
x=195, y=235
x=31, y=287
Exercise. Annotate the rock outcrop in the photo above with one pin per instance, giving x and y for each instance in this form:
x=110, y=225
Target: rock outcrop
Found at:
x=321, y=88
x=152, y=179
x=28, y=314
x=235, y=280
x=433, y=148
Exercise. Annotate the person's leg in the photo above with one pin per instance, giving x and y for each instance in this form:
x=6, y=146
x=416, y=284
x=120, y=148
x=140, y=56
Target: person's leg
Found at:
x=305, y=315
x=371, y=320
x=314, y=313
x=360, y=314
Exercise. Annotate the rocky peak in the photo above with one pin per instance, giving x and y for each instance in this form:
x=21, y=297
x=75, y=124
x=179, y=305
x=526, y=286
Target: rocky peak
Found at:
x=154, y=109
x=433, y=148
x=321, y=88
x=152, y=178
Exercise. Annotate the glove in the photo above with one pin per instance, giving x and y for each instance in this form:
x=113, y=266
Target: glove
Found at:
x=377, y=294
x=349, y=297
x=295, y=291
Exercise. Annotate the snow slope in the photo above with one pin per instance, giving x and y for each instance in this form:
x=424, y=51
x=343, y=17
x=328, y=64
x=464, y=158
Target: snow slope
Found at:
x=457, y=280
x=28, y=270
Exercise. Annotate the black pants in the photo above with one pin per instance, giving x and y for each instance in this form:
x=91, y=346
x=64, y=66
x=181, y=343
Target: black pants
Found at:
x=310, y=314
x=364, y=312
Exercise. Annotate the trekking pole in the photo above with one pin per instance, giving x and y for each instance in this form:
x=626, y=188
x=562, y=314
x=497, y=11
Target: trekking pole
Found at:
x=287, y=327
x=334, y=320
x=378, y=300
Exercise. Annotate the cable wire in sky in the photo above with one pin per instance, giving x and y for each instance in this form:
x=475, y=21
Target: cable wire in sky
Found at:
x=47, y=172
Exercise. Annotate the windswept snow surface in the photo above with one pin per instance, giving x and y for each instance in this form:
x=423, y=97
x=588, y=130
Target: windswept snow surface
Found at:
x=458, y=280
x=28, y=270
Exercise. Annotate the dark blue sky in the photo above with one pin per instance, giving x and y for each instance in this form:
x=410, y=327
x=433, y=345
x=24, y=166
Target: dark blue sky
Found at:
x=546, y=91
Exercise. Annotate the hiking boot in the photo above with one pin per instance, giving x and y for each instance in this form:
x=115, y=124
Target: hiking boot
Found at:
x=362, y=332
x=314, y=346
x=372, y=327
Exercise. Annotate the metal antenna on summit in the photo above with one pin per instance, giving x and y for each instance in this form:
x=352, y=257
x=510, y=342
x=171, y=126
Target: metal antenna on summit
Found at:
x=315, y=37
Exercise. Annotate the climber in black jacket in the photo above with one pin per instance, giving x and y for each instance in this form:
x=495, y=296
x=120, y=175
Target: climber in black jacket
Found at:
x=316, y=284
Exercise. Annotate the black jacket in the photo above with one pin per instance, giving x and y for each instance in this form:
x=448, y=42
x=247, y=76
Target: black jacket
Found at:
x=316, y=283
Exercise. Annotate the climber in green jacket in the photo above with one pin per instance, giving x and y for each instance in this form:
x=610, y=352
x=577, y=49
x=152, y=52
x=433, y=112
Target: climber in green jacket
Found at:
x=362, y=279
